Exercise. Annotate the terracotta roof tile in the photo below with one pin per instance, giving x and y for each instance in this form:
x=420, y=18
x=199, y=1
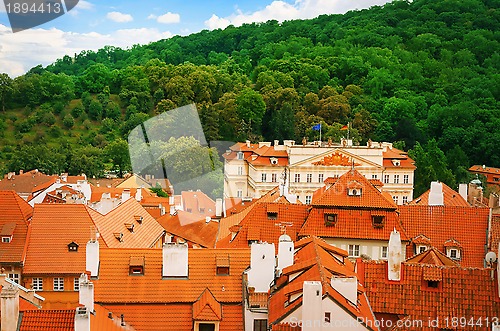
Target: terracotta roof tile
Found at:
x=207, y=308
x=432, y=256
x=48, y=320
x=191, y=228
x=399, y=155
x=25, y=183
x=115, y=192
x=450, y=198
x=467, y=225
x=198, y=203
x=488, y=170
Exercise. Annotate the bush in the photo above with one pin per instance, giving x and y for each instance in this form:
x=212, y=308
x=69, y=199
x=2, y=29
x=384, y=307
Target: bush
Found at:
x=68, y=121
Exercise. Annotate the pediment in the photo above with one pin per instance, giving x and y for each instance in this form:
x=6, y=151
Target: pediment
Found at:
x=336, y=158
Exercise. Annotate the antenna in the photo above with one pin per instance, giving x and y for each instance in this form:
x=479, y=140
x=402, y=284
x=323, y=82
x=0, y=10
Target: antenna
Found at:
x=490, y=258
x=283, y=226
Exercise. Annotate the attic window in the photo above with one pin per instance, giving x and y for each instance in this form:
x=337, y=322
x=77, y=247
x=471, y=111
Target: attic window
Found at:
x=271, y=215
x=6, y=239
x=73, y=247
x=222, y=265
x=421, y=248
x=240, y=155
x=138, y=219
x=129, y=226
x=378, y=221
x=453, y=253
x=136, y=265
x=356, y=192
x=330, y=219
x=432, y=283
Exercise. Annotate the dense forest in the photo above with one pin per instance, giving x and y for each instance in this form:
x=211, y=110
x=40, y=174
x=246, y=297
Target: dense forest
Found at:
x=423, y=74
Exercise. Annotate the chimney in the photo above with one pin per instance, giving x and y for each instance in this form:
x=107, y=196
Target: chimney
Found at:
x=285, y=252
x=312, y=311
x=262, y=264
x=462, y=190
x=9, y=298
x=21, y=171
x=125, y=195
x=207, y=219
x=92, y=258
x=172, y=210
x=276, y=143
x=82, y=319
x=138, y=194
x=394, y=256
x=248, y=143
x=86, y=292
x=218, y=208
x=175, y=260
x=347, y=286
x=436, y=194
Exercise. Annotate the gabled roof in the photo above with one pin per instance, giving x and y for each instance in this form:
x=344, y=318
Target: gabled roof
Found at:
x=15, y=214
x=467, y=225
x=450, y=198
x=190, y=227
x=324, y=262
x=484, y=170
x=145, y=233
x=432, y=256
x=464, y=292
x=116, y=286
x=207, y=308
x=403, y=161
x=337, y=195
x=53, y=227
x=198, y=203
x=25, y=183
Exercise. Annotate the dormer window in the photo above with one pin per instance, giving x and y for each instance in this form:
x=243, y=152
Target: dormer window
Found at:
x=432, y=284
x=330, y=219
x=378, y=221
x=138, y=219
x=7, y=239
x=239, y=155
x=271, y=215
x=136, y=266
x=421, y=248
x=354, y=192
x=274, y=160
x=130, y=226
x=73, y=247
x=396, y=163
x=118, y=236
x=222, y=265
x=453, y=253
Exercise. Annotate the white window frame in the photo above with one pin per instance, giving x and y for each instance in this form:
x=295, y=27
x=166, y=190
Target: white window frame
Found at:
x=406, y=179
x=309, y=178
x=450, y=250
x=76, y=284
x=239, y=193
x=386, y=179
x=321, y=178
x=297, y=178
x=274, y=178
x=396, y=199
x=37, y=283
x=374, y=176
x=384, y=252
x=240, y=171
x=240, y=155
x=421, y=249
x=15, y=277
x=308, y=199
x=405, y=199
x=353, y=250
x=396, y=179
x=58, y=283
x=263, y=177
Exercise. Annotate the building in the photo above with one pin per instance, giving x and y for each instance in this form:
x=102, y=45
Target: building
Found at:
x=251, y=170
x=492, y=174
x=24, y=183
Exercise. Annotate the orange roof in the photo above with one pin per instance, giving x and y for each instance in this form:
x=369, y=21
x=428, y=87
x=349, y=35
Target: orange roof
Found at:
x=484, y=170
x=464, y=292
x=450, y=198
x=432, y=256
x=317, y=261
x=191, y=228
x=338, y=194
x=53, y=227
x=115, y=285
x=207, y=308
x=15, y=214
x=105, y=182
x=122, y=219
x=395, y=154
x=26, y=182
x=494, y=237
x=115, y=192
x=198, y=203
x=266, y=160
x=467, y=225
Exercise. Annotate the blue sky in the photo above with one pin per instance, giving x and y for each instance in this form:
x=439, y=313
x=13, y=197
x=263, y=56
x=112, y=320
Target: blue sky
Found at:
x=93, y=24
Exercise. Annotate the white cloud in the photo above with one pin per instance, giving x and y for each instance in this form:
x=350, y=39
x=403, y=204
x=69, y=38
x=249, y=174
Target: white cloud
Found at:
x=23, y=50
x=152, y=17
x=169, y=18
x=85, y=5
x=281, y=11
x=119, y=17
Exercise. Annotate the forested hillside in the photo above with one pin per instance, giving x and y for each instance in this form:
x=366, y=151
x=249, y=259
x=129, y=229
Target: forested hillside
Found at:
x=424, y=74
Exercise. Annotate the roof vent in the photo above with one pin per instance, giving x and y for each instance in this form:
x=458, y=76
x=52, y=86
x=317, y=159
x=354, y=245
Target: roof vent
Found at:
x=130, y=226
x=138, y=219
x=118, y=236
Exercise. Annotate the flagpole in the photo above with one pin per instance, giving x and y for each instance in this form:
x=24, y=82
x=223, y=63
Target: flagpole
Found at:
x=320, y=132
x=348, y=128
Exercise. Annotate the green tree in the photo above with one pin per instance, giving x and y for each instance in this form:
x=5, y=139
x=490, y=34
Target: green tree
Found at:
x=251, y=107
x=117, y=152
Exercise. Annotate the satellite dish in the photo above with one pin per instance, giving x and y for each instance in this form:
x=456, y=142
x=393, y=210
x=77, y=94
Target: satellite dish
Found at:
x=491, y=257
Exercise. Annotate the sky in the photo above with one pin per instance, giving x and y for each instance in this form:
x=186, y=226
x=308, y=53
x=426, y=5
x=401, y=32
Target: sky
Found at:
x=93, y=24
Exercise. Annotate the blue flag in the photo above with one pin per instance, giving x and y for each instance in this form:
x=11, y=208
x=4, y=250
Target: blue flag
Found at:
x=317, y=127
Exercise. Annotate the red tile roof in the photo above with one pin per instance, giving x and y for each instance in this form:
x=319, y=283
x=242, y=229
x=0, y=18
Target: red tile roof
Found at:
x=207, y=308
x=115, y=285
x=466, y=293
x=494, y=236
x=26, y=182
x=190, y=228
x=467, y=225
x=48, y=320
x=486, y=170
x=198, y=203
x=15, y=214
x=370, y=197
x=115, y=192
x=53, y=227
x=317, y=261
x=399, y=155
x=450, y=198
x=432, y=256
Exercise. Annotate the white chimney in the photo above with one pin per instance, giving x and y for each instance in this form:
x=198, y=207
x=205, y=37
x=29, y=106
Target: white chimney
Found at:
x=436, y=194
x=172, y=210
x=312, y=311
x=82, y=319
x=276, y=143
x=138, y=194
x=125, y=195
x=462, y=190
x=175, y=260
x=207, y=219
x=285, y=252
x=92, y=258
x=218, y=207
x=262, y=264
x=248, y=143
x=86, y=292
x=9, y=298
x=347, y=286
x=394, y=256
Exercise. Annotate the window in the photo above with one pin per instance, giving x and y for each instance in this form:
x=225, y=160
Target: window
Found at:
x=76, y=284
x=374, y=177
x=309, y=178
x=136, y=270
x=58, y=284
x=72, y=247
x=272, y=215
x=240, y=171
x=383, y=252
x=406, y=179
x=320, y=178
x=259, y=325
x=353, y=250
x=378, y=221
x=239, y=194
x=405, y=199
x=396, y=179
x=206, y=327
x=222, y=270
x=240, y=155
x=354, y=192
x=37, y=284
x=14, y=277
x=274, y=178
x=396, y=199
x=308, y=199
x=328, y=316
x=386, y=179
x=421, y=249
x=297, y=178
x=6, y=239
x=432, y=283
x=330, y=219
x=263, y=177
x=453, y=253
